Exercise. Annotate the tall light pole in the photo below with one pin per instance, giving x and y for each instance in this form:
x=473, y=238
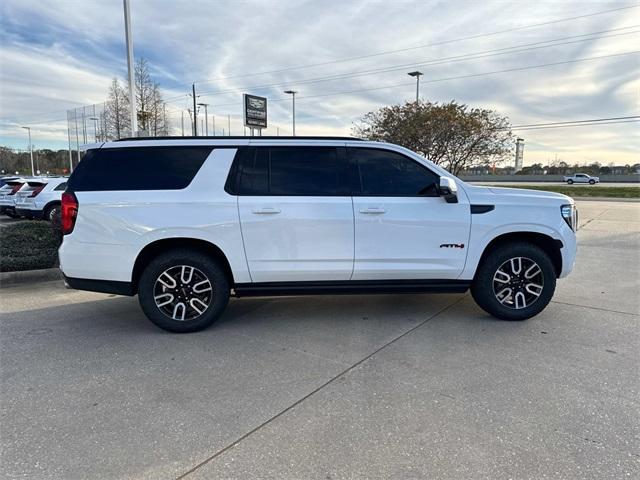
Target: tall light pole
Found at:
x=33, y=171
x=293, y=96
x=132, y=84
x=416, y=74
x=206, y=118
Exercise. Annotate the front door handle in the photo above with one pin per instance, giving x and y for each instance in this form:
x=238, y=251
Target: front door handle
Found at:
x=265, y=210
x=373, y=210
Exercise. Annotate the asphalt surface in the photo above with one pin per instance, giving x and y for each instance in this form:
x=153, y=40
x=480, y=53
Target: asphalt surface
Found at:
x=411, y=386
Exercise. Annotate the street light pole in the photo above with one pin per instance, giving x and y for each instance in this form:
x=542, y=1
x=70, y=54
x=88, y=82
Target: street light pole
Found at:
x=293, y=96
x=206, y=118
x=416, y=74
x=132, y=96
x=33, y=172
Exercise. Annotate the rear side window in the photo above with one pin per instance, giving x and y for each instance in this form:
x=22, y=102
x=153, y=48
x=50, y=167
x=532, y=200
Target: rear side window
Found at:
x=137, y=168
x=291, y=171
x=390, y=174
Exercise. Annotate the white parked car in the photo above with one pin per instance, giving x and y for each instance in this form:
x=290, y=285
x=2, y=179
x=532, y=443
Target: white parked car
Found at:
x=581, y=178
x=40, y=198
x=185, y=223
x=7, y=195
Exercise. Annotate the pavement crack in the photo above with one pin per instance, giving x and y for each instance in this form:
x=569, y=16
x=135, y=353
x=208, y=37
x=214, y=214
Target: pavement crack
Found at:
x=595, y=308
x=316, y=390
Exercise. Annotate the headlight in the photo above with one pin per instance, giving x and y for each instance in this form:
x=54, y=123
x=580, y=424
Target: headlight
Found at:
x=570, y=215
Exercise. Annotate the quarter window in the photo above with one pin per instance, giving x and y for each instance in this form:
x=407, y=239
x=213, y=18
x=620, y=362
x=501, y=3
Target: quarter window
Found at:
x=138, y=168
x=390, y=174
x=62, y=186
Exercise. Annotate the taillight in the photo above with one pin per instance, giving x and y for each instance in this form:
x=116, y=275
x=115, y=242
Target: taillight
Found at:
x=69, y=212
x=36, y=191
x=15, y=189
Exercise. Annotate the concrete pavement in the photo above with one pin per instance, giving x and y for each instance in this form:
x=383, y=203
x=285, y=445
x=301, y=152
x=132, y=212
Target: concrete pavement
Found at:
x=385, y=386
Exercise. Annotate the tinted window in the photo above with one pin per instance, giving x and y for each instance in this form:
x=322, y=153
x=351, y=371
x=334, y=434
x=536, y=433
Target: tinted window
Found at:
x=386, y=173
x=303, y=171
x=138, y=168
x=255, y=171
x=300, y=171
x=62, y=186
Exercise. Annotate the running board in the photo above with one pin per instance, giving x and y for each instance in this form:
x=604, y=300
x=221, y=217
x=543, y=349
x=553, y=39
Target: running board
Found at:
x=268, y=289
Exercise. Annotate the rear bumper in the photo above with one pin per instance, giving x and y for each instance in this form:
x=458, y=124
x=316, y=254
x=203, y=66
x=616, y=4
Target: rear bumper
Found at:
x=101, y=286
x=27, y=212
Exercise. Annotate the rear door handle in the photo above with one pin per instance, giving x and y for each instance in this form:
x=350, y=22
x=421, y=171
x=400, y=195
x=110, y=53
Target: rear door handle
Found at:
x=265, y=210
x=373, y=210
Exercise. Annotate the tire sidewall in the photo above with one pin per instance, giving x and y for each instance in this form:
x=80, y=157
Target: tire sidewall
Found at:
x=482, y=288
x=208, y=266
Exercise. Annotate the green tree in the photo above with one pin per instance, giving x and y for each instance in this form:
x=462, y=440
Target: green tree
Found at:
x=452, y=135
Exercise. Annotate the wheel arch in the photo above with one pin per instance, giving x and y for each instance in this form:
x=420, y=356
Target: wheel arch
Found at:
x=155, y=248
x=549, y=245
x=50, y=204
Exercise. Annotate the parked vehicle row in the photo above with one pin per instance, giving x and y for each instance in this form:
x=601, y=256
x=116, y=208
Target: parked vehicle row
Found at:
x=197, y=220
x=32, y=197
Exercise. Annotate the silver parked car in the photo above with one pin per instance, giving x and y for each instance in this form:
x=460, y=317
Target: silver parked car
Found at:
x=581, y=178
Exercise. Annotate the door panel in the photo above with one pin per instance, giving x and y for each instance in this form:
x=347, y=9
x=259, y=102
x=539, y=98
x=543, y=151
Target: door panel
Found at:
x=297, y=238
x=409, y=238
x=403, y=229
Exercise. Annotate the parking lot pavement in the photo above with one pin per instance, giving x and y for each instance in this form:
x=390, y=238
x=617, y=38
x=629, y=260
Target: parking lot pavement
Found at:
x=333, y=387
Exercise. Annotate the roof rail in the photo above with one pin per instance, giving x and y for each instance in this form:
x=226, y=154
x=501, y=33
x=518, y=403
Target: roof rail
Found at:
x=237, y=137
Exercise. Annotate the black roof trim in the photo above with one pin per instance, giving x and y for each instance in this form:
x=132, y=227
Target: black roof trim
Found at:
x=238, y=137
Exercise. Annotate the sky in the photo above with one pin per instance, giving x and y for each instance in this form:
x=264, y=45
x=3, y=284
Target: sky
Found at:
x=345, y=58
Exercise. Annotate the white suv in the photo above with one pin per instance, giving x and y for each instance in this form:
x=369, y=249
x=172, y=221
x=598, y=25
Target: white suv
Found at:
x=40, y=198
x=185, y=223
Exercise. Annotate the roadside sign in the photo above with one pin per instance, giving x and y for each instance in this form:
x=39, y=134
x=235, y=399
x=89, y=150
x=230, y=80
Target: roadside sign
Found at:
x=255, y=111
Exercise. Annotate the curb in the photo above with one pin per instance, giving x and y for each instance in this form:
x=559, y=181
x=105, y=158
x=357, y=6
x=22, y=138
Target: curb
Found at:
x=606, y=199
x=29, y=276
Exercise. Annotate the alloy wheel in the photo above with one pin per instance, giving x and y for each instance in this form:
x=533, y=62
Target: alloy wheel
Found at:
x=518, y=283
x=182, y=292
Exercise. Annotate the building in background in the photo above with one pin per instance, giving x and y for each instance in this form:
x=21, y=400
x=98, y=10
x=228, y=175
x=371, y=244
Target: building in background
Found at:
x=519, y=154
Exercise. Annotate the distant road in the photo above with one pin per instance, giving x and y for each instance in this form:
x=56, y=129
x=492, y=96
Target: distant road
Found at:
x=513, y=182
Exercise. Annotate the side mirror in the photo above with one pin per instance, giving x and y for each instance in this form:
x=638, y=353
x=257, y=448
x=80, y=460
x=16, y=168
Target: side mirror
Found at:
x=448, y=189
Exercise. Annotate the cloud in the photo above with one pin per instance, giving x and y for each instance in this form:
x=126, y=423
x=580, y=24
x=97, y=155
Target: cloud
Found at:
x=58, y=55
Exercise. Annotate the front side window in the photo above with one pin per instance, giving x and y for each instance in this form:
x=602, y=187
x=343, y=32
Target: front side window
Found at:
x=390, y=174
x=291, y=171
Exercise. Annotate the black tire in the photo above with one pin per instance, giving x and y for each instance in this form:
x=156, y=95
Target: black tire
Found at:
x=205, y=267
x=483, y=287
x=570, y=182
x=592, y=182
x=11, y=213
x=52, y=212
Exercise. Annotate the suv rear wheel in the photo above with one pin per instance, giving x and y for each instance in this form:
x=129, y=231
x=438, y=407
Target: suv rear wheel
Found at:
x=183, y=291
x=514, y=282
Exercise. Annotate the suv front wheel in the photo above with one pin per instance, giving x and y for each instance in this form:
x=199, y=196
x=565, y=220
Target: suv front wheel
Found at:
x=515, y=281
x=183, y=291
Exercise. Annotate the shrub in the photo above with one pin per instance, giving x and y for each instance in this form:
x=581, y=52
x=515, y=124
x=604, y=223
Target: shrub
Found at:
x=28, y=245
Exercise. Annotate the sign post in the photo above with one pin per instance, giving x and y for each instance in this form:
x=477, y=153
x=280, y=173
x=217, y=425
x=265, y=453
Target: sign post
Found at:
x=254, y=113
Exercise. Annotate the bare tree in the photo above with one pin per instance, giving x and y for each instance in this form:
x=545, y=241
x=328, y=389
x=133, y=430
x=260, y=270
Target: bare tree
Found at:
x=150, y=107
x=452, y=135
x=116, y=112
